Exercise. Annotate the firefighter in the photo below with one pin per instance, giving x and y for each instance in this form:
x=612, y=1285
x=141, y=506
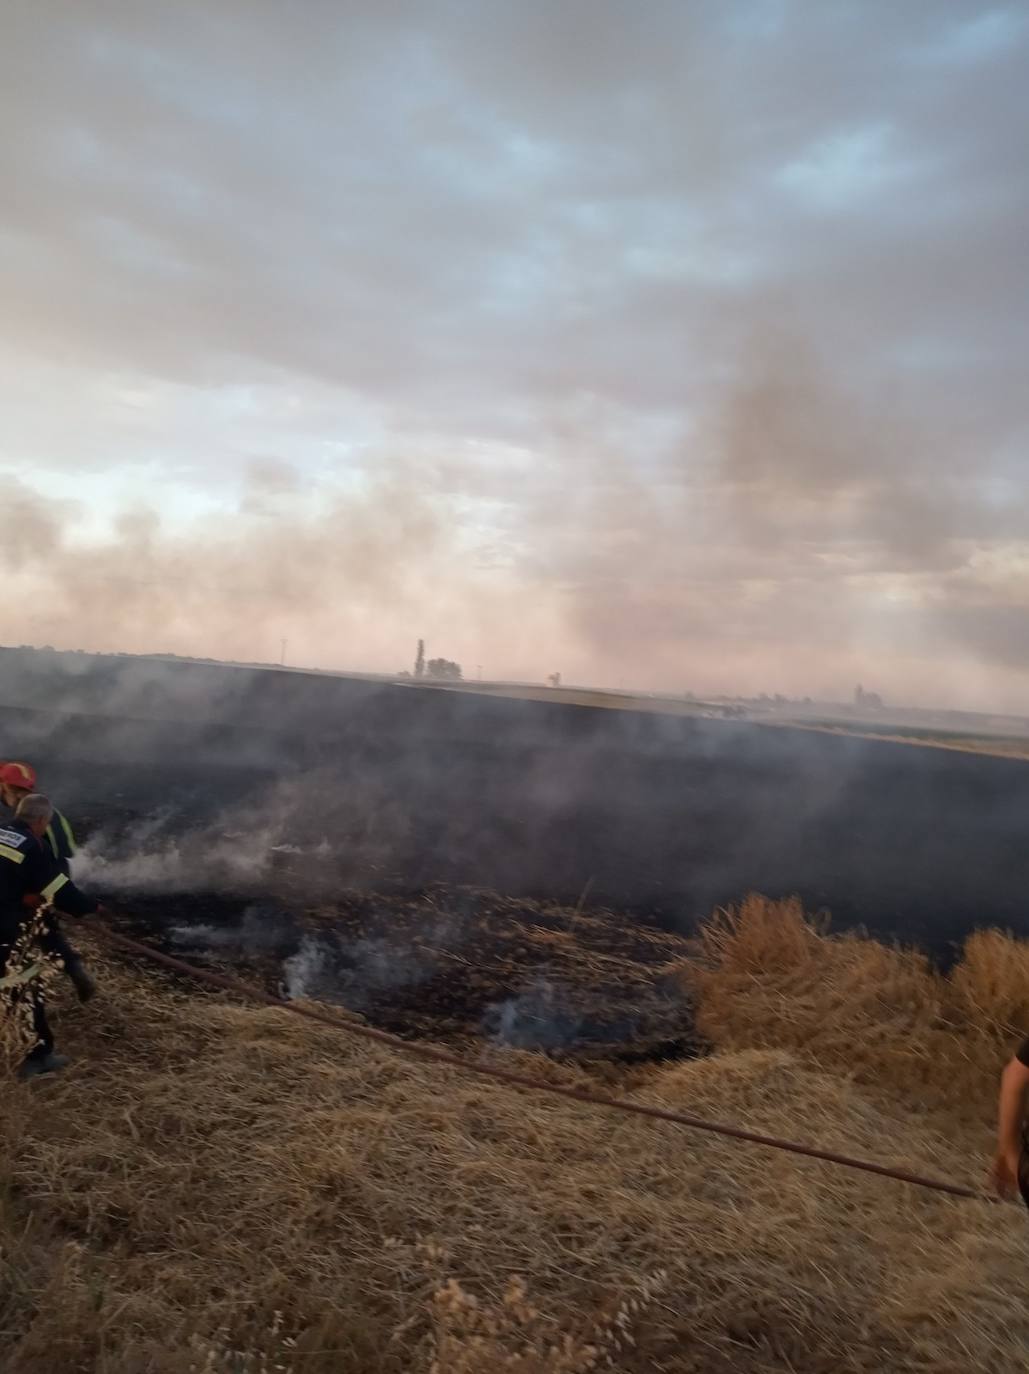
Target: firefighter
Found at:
x=30, y=877
x=17, y=780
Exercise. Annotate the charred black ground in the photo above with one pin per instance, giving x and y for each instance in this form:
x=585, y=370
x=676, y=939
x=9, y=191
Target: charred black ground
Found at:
x=353, y=835
x=449, y=963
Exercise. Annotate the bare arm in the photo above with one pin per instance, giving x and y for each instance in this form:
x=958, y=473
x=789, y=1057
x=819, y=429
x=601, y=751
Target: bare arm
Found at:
x=1014, y=1087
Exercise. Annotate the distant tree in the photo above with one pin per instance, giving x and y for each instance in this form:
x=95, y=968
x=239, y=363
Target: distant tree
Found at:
x=554, y=679
x=419, y=662
x=442, y=670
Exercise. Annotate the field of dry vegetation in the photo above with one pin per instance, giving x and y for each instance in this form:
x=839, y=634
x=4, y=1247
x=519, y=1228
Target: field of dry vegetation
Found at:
x=213, y=1187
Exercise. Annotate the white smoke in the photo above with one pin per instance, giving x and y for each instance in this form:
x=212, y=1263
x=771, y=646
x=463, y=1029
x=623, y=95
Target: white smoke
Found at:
x=309, y=973
x=262, y=929
x=331, y=968
x=537, y=1018
x=203, y=937
x=169, y=851
x=179, y=864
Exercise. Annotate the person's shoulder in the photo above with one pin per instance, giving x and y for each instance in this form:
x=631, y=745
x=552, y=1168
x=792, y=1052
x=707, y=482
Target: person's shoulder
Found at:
x=18, y=837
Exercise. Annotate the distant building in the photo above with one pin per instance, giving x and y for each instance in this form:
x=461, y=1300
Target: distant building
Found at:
x=443, y=670
x=868, y=701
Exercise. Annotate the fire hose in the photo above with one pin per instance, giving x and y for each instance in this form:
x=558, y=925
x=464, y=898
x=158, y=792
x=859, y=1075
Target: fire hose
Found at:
x=434, y=1055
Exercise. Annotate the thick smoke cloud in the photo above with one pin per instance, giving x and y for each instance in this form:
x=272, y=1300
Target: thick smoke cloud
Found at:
x=679, y=345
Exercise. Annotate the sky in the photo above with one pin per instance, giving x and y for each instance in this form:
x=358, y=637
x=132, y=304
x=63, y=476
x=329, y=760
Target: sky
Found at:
x=680, y=345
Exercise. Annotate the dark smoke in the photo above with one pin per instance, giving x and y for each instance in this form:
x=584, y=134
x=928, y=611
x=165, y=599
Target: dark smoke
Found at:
x=254, y=783
x=703, y=369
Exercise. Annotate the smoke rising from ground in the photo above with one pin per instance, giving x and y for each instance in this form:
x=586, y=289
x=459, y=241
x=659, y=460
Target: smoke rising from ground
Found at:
x=228, y=847
x=288, y=788
x=145, y=862
x=680, y=346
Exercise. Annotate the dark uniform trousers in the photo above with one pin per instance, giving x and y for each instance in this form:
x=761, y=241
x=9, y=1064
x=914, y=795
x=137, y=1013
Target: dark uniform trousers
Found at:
x=52, y=940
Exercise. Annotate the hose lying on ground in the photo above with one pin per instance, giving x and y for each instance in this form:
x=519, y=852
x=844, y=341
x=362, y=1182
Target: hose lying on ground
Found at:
x=434, y=1055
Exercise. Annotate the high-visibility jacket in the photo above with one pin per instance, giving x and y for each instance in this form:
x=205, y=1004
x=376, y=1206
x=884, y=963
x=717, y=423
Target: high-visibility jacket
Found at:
x=61, y=840
x=28, y=872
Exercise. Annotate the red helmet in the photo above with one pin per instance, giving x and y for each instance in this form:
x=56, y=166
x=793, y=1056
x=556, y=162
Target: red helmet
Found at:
x=21, y=775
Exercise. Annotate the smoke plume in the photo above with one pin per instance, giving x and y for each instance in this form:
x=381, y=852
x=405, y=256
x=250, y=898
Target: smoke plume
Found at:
x=683, y=348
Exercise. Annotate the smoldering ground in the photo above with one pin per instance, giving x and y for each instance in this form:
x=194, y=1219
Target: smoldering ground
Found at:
x=439, y=861
x=679, y=349
x=325, y=784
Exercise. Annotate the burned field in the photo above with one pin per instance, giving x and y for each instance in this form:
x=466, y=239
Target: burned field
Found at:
x=450, y=964
x=211, y=1178
x=447, y=864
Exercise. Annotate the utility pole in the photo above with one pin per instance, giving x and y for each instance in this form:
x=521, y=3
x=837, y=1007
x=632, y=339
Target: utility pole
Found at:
x=282, y=659
x=479, y=669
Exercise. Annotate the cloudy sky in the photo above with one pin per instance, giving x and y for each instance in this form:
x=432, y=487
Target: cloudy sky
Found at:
x=676, y=343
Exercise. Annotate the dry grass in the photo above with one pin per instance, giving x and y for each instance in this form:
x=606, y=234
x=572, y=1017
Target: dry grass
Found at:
x=217, y=1188
x=998, y=746
x=765, y=975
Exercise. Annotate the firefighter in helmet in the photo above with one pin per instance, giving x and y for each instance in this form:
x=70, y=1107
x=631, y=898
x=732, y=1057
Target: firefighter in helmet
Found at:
x=17, y=781
x=31, y=881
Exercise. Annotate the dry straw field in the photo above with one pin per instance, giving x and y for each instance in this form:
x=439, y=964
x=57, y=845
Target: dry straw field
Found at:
x=213, y=1187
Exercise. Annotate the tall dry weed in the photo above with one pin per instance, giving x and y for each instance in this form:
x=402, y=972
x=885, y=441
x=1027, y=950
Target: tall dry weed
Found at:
x=764, y=974
x=989, y=987
x=472, y=1336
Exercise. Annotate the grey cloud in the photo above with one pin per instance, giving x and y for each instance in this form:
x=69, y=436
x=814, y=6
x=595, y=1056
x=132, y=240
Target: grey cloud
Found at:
x=743, y=283
x=269, y=482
